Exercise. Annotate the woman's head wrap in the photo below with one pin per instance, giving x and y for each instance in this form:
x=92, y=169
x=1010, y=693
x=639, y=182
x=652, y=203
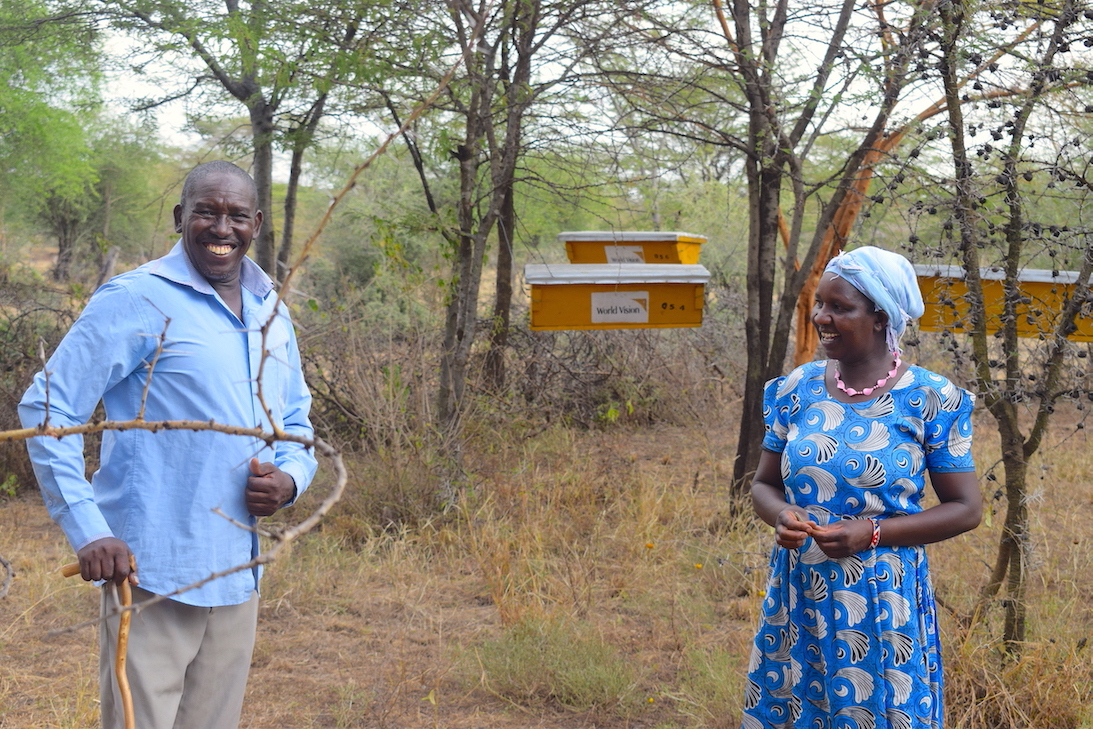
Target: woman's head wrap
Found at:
x=888, y=280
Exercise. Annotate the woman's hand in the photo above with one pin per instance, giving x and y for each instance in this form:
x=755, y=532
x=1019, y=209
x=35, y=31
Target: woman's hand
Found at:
x=844, y=537
x=768, y=496
x=792, y=528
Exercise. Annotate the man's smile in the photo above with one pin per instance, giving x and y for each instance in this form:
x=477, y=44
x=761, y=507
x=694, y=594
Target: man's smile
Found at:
x=219, y=249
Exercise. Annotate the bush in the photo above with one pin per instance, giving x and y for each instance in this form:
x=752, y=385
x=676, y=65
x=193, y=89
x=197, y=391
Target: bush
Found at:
x=631, y=376
x=545, y=659
x=1047, y=686
x=33, y=318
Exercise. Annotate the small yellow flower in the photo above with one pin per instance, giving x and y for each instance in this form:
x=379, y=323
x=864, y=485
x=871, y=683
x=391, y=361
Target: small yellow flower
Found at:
x=698, y=565
x=649, y=545
x=762, y=593
x=650, y=700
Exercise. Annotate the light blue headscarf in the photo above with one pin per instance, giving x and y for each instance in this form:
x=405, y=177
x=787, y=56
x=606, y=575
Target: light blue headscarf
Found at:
x=888, y=280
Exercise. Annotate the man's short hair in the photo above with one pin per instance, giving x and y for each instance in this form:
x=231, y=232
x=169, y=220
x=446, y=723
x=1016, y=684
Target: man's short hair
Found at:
x=215, y=167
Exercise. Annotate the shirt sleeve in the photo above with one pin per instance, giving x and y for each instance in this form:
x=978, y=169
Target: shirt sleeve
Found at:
x=949, y=432
x=108, y=342
x=774, y=417
x=295, y=459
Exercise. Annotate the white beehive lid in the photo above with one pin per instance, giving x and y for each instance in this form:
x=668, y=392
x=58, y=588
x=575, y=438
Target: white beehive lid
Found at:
x=623, y=236
x=614, y=273
x=1034, y=275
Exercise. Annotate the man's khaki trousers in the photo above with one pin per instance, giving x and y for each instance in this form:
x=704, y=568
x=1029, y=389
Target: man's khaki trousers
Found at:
x=187, y=666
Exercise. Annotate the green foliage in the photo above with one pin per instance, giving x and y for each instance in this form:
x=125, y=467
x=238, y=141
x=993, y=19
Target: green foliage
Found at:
x=382, y=244
x=551, y=659
x=49, y=74
x=128, y=205
x=113, y=206
x=83, y=176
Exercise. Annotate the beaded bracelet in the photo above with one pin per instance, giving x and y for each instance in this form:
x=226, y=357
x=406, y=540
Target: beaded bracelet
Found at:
x=876, y=533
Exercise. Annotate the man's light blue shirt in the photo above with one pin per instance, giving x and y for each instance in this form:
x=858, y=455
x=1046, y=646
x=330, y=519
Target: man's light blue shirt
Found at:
x=158, y=491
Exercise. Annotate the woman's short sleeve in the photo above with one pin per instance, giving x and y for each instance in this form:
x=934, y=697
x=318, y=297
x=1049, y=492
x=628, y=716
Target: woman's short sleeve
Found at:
x=949, y=433
x=774, y=417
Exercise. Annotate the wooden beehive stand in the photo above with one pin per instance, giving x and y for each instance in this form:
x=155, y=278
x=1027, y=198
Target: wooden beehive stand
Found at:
x=620, y=280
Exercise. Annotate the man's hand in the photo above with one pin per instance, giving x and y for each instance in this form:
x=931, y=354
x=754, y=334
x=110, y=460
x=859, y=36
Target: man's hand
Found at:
x=107, y=559
x=268, y=489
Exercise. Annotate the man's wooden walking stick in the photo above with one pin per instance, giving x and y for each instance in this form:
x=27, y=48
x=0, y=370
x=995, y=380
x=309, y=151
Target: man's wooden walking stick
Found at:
x=125, y=597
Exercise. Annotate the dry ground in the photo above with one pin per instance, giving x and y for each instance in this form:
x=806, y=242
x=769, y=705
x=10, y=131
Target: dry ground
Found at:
x=377, y=659
x=382, y=635
x=373, y=641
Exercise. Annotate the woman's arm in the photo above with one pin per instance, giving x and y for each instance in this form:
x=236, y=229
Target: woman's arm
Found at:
x=960, y=510
x=768, y=498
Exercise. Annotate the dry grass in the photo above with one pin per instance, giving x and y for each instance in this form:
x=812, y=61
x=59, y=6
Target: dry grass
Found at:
x=588, y=579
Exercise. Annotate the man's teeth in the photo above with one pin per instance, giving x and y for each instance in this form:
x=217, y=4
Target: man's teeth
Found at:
x=826, y=337
x=219, y=250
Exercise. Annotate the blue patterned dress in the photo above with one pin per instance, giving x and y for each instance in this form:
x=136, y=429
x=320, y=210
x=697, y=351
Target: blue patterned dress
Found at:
x=851, y=643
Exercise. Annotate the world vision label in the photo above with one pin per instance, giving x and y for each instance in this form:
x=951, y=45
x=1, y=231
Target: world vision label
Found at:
x=620, y=307
x=624, y=254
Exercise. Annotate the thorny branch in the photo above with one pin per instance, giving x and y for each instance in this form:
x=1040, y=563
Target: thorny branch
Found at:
x=152, y=364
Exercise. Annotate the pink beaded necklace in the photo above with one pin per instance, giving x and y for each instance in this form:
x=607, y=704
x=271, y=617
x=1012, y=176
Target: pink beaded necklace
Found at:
x=869, y=390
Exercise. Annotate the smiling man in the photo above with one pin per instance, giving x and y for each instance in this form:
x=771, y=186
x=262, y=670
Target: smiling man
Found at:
x=178, y=339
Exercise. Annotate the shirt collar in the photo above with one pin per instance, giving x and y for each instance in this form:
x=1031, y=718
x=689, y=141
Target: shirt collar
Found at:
x=176, y=266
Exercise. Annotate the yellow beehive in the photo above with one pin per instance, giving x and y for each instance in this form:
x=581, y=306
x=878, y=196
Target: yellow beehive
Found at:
x=632, y=246
x=1043, y=294
x=616, y=296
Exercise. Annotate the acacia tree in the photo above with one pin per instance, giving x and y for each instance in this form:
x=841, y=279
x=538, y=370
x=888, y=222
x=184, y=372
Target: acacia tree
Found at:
x=770, y=81
x=514, y=54
x=280, y=60
x=1019, y=199
x=48, y=83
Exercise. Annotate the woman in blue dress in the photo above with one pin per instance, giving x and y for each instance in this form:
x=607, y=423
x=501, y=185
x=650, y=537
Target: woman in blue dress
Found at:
x=848, y=632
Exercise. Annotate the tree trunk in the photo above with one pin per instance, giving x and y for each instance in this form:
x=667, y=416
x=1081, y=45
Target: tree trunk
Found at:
x=66, y=245
x=495, y=357
x=460, y=322
x=284, y=253
x=65, y=226
x=762, y=364
x=1015, y=539
x=106, y=270
x=261, y=124
x=302, y=137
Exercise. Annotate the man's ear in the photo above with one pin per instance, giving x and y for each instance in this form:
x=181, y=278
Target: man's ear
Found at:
x=178, y=218
x=257, y=224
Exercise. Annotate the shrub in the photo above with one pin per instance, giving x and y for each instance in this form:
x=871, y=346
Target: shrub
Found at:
x=552, y=659
x=1048, y=686
x=33, y=318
